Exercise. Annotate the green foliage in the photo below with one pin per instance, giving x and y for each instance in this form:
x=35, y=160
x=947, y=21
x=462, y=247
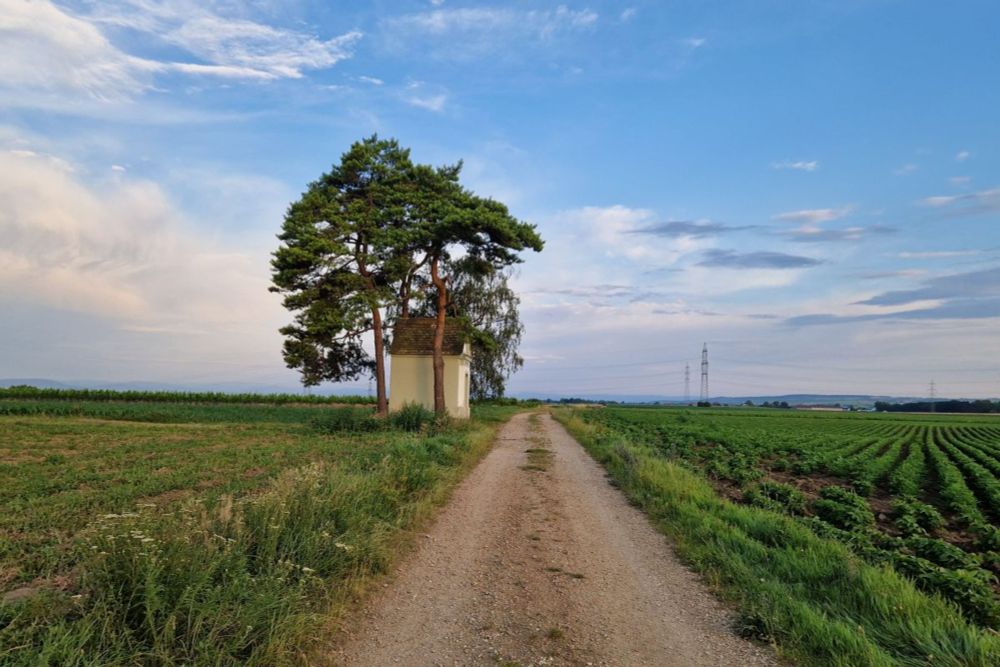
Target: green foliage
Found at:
x=24, y=392
x=776, y=496
x=339, y=261
x=480, y=295
x=843, y=508
x=347, y=420
x=412, y=417
x=913, y=517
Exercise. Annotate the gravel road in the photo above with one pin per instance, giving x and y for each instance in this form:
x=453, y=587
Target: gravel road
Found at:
x=537, y=560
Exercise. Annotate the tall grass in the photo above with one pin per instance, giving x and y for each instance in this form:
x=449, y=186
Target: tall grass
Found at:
x=810, y=596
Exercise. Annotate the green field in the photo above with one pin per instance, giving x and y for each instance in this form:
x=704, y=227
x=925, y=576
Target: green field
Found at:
x=824, y=524
x=173, y=533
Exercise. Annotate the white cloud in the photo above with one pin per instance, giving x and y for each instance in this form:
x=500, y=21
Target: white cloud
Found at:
x=422, y=96
x=962, y=156
x=694, y=42
x=118, y=168
x=960, y=180
x=628, y=14
x=800, y=165
x=906, y=169
x=372, y=80
x=122, y=251
x=815, y=215
x=49, y=54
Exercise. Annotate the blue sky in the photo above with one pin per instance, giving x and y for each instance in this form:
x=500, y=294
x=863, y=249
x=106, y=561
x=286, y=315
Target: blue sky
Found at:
x=811, y=187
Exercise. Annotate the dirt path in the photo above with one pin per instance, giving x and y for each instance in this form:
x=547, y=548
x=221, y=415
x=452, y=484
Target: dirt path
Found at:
x=537, y=560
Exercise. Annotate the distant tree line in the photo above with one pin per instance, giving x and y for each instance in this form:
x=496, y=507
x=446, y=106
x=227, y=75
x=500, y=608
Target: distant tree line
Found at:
x=981, y=406
x=25, y=392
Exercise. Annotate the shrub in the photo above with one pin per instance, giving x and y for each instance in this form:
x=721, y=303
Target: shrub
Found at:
x=411, y=417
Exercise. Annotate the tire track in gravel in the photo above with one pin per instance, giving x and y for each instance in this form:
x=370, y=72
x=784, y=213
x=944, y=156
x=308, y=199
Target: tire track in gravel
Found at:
x=537, y=560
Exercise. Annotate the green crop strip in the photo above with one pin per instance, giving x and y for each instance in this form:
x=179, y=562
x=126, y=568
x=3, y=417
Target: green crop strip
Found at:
x=819, y=575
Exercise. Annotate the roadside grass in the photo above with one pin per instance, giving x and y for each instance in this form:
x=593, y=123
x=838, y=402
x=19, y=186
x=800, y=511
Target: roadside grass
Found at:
x=228, y=542
x=811, y=597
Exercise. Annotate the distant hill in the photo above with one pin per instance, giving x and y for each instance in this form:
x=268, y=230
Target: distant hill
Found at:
x=856, y=400
x=33, y=382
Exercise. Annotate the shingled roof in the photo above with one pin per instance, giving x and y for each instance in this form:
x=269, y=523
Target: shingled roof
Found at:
x=415, y=335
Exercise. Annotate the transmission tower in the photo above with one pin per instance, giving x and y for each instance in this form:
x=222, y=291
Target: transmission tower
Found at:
x=933, y=395
x=687, y=383
x=704, y=373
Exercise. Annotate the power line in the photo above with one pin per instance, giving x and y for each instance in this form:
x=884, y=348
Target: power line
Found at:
x=687, y=383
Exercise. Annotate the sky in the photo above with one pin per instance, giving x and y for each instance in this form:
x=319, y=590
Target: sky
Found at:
x=811, y=187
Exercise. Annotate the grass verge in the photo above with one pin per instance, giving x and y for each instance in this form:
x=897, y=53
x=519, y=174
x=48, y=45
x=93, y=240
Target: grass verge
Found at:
x=811, y=597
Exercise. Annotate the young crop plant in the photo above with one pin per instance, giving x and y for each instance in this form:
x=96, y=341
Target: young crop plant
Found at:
x=843, y=508
x=776, y=496
x=913, y=517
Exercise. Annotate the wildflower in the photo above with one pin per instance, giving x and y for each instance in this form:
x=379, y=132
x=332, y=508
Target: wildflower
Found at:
x=345, y=547
x=308, y=570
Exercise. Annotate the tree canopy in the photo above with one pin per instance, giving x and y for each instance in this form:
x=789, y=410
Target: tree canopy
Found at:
x=364, y=235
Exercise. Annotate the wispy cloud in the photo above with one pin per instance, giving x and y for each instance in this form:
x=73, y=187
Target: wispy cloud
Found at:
x=226, y=41
x=798, y=165
x=973, y=203
x=694, y=229
x=885, y=275
x=937, y=254
x=628, y=14
x=975, y=284
x=471, y=32
x=971, y=295
x=50, y=54
x=540, y=23
x=418, y=94
x=906, y=169
x=694, y=42
x=962, y=156
x=814, y=234
x=731, y=259
x=814, y=215
x=371, y=79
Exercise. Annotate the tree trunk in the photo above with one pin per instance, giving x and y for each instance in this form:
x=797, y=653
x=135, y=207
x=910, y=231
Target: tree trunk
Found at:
x=442, y=302
x=381, y=405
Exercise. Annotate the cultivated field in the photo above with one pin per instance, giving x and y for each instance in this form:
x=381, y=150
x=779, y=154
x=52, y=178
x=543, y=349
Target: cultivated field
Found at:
x=916, y=497
x=166, y=533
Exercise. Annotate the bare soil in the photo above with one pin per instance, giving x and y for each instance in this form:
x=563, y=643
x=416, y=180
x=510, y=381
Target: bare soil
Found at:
x=537, y=560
